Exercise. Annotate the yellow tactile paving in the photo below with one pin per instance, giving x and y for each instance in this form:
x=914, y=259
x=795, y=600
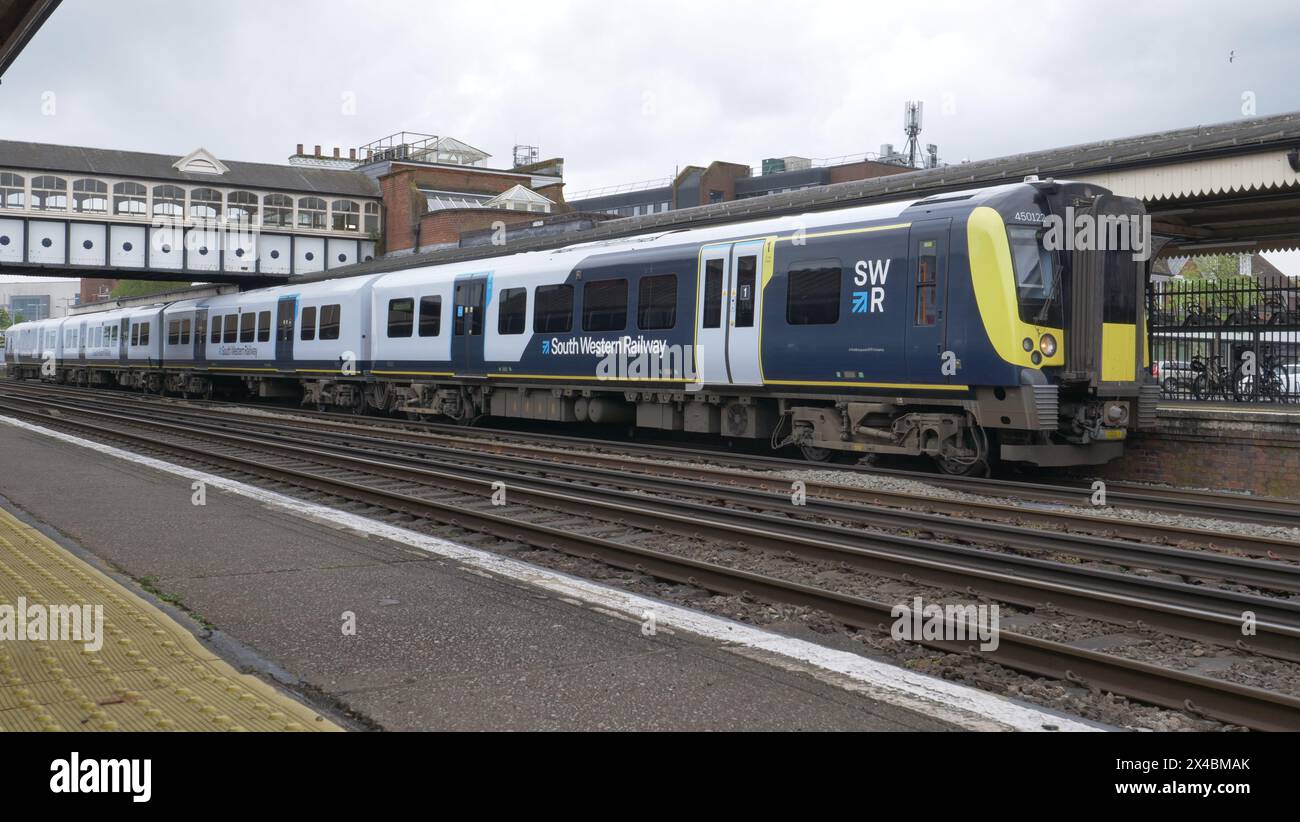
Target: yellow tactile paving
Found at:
x=149, y=674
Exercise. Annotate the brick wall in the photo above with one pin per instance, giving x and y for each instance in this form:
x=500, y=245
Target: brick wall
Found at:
x=1235, y=450
x=443, y=228
x=404, y=205
x=94, y=290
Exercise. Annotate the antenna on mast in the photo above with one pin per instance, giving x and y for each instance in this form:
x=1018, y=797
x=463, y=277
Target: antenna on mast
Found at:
x=912, y=125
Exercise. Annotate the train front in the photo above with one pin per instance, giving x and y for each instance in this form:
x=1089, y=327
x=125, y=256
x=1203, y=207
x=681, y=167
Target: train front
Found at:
x=1079, y=258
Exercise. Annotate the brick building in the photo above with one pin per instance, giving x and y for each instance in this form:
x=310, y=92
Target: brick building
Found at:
x=721, y=182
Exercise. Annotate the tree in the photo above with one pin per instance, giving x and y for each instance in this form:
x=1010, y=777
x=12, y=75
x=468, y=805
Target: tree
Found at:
x=5, y=319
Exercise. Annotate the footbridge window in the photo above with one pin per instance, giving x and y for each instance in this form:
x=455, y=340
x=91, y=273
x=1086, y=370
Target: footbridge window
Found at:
x=311, y=212
x=241, y=207
x=90, y=196
x=49, y=193
x=277, y=210
x=12, y=187
x=129, y=198
x=169, y=201
x=346, y=215
x=205, y=204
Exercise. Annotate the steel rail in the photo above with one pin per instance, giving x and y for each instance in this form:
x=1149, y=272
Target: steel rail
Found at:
x=1175, y=608
x=1259, y=546
x=1186, y=563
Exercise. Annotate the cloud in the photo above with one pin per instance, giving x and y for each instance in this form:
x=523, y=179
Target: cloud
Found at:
x=632, y=90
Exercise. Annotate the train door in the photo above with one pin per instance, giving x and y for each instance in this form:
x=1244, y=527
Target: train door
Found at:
x=286, y=309
x=467, y=325
x=201, y=336
x=927, y=301
x=711, y=325
x=125, y=332
x=745, y=313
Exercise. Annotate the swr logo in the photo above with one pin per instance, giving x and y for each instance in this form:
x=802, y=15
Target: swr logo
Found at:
x=875, y=272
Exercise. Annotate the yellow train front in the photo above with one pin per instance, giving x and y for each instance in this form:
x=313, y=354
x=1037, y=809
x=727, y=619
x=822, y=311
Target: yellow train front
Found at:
x=1015, y=335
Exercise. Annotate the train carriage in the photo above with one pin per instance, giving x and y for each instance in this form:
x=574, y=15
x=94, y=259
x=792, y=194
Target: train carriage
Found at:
x=948, y=327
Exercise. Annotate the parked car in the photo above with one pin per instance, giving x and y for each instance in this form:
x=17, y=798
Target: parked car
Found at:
x=1174, y=376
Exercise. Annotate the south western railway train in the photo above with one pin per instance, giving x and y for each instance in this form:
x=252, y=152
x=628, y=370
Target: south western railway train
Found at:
x=942, y=327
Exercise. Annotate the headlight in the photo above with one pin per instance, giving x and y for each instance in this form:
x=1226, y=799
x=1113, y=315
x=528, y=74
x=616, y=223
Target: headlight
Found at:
x=1047, y=344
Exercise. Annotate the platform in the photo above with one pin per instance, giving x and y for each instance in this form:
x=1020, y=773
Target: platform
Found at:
x=1220, y=446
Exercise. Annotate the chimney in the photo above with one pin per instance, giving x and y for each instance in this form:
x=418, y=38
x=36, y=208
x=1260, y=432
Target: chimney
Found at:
x=352, y=154
x=336, y=152
x=317, y=151
x=299, y=152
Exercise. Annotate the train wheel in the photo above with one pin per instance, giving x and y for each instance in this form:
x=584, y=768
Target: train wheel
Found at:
x=980, y=465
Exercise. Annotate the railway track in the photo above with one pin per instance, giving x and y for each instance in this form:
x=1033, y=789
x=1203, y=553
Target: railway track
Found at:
x=364, y=468
x=700, y=466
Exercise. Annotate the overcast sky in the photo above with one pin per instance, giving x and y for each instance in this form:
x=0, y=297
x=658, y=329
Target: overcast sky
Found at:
x=628, y=91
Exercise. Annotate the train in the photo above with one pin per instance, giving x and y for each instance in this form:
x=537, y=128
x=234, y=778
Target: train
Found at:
x=946, y=327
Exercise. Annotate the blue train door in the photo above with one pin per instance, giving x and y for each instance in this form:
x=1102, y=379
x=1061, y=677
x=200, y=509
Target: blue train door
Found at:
x=927, y=302
x=286, y=308
x=467, y=325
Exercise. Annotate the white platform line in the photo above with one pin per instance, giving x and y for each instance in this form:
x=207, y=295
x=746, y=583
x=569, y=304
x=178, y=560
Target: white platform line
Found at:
x=937, y=698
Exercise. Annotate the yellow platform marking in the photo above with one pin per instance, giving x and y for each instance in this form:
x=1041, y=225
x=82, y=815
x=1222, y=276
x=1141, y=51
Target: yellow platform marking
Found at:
x=149, y=674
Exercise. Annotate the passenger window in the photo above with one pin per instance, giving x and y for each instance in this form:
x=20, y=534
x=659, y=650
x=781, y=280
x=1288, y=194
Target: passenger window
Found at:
x=604, y=305
x=927, y=282
x=135, y=333
x=216, y=329
x=713, y=294
x=813, y=293
x=264, y=326
x=185, y=332
x=231, y=334
x=247, y=327
x=513, y=312
x=401, y=317
x=308, y=323
x=746, y=277
x=174, y=332
x=553, y=312
x=656, y=302
x=329, y=322
x=144, y=333
x=430, y=316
